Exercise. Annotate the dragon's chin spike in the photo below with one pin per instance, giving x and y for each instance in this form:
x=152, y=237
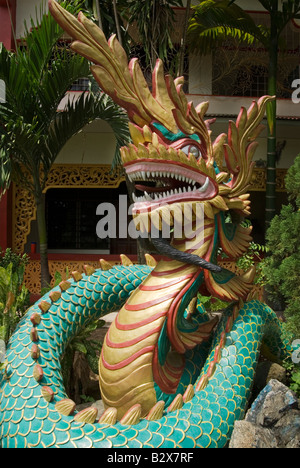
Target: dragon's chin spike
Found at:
x=164, y=248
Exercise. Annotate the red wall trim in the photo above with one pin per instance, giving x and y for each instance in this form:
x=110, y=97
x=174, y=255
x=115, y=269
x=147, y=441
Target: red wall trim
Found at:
x=8, y=23
x=5, y=220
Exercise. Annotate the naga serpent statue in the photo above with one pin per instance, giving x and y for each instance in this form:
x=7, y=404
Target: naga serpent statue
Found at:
x=170, y=374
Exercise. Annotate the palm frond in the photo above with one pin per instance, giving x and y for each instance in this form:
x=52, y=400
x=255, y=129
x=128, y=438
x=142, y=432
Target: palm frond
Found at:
x=57, y=80
x=41, y=36
x=14, y=76
x=213, y=21
x=78, y=113
x=5, y=172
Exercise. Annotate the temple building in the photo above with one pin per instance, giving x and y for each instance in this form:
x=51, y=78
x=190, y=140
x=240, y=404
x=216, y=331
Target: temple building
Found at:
x=81, y=177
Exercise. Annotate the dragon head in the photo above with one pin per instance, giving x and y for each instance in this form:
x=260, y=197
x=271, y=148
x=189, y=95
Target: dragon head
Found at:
x=178, y=171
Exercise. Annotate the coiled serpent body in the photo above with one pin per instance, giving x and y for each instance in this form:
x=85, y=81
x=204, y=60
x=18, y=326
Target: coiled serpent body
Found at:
x=27, y=419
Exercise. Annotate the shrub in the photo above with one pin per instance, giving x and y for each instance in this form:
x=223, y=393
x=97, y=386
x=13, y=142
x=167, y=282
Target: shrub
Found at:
x=14, y=297
x=281, y=268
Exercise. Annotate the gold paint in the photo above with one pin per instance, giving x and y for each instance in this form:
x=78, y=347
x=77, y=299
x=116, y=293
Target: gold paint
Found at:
x=132, y=416
x=104, y=265
x=116, y=355
x=136, y=134
x=188, y=394
x=125, y=260
x=87, y=415
x=44, y=306
x=176, y=404
x=150, y=260
x=109, y=417
x=76, y=275
x=89, y=270
x=156, y=412
x=54, y=296
x=64, y=285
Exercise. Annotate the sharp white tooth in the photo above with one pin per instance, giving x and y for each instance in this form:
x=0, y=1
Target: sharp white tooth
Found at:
x=184, y=189
x=147, y=197
x=129, y=177
x=152, y=174
x=189, y=189
x=134, y=197
x=176, y=176
x=172, y=192
x=179, y=190
x=205, y=186
x=143, y=175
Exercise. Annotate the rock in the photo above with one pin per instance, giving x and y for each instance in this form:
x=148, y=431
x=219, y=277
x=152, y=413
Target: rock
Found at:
x=248, y=435
x=273, y=420
x=287, y=430
x=97, y=404
x=271, y=404
x=267, y=371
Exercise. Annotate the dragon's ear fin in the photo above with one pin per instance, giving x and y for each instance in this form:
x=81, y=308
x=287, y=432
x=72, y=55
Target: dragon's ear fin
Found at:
x=228, y=286
x=241, y=146
x=234, y=238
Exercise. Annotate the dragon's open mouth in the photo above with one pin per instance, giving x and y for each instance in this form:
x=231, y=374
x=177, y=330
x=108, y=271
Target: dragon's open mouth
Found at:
x=157, y=181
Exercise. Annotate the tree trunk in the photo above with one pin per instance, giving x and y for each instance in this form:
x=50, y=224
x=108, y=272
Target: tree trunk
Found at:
x=42, y=230
x=119, y=35
x=98, y=14
x=271, y=114
x=183, y=40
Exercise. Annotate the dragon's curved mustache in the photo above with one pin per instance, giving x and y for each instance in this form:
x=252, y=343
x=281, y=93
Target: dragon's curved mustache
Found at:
x=165, y=248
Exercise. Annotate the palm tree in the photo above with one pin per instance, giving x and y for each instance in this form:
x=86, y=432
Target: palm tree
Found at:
x=108, y=14
x=213, y=21
x=155, y=23
x=32, y=132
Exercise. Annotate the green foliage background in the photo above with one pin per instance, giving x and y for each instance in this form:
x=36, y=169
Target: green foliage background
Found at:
x=281, y=269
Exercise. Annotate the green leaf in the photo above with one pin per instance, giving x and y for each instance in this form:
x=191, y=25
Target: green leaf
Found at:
x=2, y=332
x=214, y=21
x=79, y=346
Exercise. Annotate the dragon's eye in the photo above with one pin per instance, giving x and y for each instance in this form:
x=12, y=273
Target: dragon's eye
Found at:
x=193, y=149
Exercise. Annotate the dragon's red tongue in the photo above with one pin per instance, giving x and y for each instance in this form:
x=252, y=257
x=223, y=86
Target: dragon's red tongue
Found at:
x=144, y=188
